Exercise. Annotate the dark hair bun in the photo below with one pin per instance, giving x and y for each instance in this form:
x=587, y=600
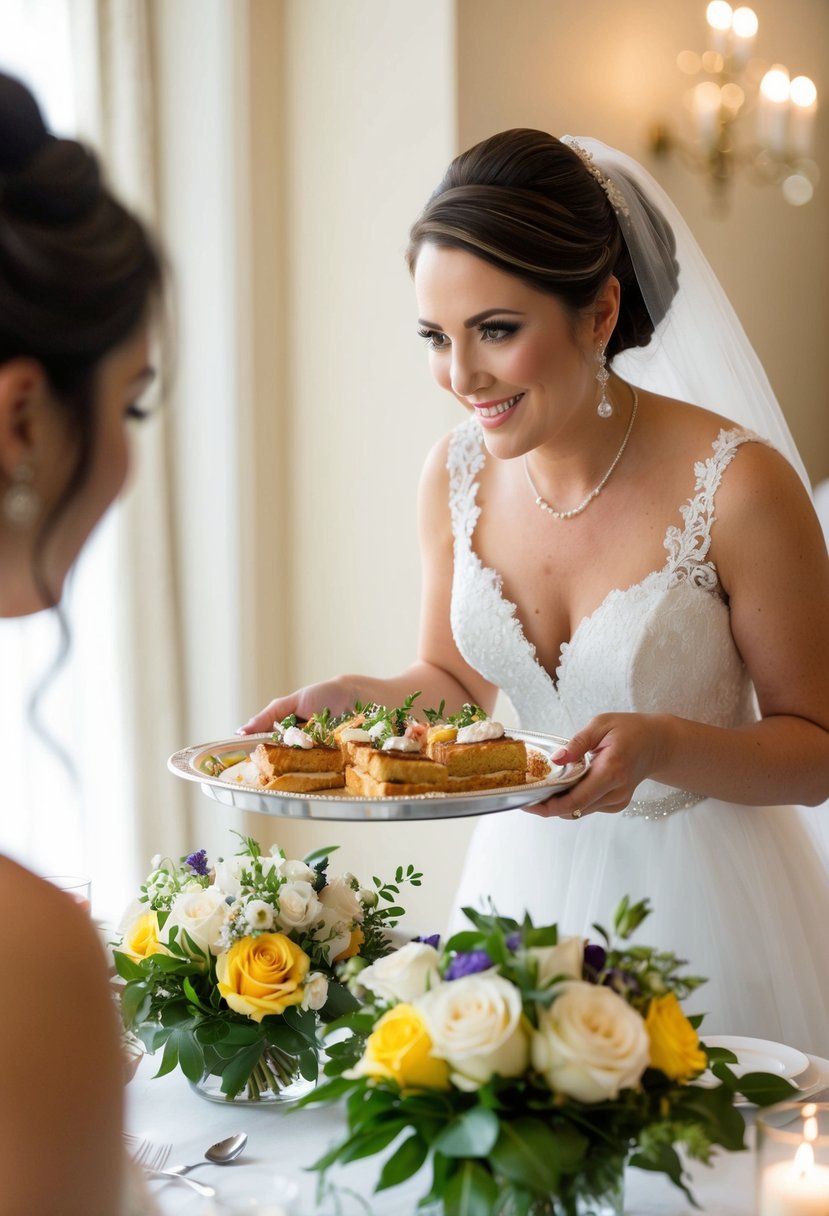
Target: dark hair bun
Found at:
x=22, y=129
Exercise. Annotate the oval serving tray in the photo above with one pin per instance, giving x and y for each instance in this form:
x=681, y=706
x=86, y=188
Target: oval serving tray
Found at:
x=337, y=804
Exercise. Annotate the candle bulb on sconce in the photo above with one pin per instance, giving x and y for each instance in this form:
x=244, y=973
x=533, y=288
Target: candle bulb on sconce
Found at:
x=727, y=97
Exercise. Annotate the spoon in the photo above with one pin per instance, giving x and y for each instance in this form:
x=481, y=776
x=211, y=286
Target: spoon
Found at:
x=220, y=1153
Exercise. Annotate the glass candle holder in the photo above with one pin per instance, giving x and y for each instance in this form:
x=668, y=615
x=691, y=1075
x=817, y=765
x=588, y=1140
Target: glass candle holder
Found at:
x=793, y=1160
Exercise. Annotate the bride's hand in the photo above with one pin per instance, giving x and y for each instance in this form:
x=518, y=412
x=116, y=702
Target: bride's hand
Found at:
x=623, y=750
x=336, y=695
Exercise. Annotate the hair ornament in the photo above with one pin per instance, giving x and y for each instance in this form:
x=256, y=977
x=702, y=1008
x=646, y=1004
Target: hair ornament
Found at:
x=614, y=194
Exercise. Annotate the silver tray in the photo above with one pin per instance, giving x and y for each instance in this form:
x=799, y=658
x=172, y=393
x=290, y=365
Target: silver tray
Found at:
x=339, y=805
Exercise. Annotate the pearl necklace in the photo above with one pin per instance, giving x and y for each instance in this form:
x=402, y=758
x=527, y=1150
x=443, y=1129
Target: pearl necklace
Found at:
x=543, y=505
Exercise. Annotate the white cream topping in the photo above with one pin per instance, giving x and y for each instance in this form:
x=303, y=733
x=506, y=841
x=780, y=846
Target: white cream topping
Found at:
x=400, y=743
x=294, y=737
x=355, y=734
x=479, y=732
x=379, y=728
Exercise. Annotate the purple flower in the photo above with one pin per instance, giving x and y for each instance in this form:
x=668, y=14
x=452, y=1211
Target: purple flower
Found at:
x=595, y=958
x=198, y=863
x=513, y=941
x=468, y=964
x=432, y=940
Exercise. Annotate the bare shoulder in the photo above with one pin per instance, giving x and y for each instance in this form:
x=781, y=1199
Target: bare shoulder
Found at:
x=433, y=491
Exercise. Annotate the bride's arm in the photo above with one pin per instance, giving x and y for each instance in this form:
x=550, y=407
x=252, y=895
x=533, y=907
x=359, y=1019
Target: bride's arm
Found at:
x=439, y=672
x=771, y=558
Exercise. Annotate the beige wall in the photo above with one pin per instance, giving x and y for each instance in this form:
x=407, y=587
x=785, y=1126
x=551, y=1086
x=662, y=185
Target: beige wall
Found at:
x=329, y=122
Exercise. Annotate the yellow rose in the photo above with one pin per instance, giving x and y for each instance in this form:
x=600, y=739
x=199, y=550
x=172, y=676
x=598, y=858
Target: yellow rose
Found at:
x=399, y=1049
x=357, y=939
x=262, y=975
x=675, y=1048
x=141, y=937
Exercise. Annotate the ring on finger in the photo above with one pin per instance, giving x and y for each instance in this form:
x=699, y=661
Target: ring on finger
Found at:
x=576, y=813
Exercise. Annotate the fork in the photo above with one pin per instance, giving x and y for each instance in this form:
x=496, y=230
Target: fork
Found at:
x=145, y=1153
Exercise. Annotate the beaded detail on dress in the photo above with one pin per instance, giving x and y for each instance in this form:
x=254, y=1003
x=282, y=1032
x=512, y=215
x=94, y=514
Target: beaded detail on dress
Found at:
x=662, y=645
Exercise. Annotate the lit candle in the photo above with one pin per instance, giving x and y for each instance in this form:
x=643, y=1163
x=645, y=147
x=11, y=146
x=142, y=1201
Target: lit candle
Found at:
x=802, y=118
x=706, y=104
x=773, y=107
x=744, y=25
x=719, y=17
x=795, y=1188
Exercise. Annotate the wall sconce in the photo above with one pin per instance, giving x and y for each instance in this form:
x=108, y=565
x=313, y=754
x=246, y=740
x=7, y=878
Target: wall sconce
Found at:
x=735, y=89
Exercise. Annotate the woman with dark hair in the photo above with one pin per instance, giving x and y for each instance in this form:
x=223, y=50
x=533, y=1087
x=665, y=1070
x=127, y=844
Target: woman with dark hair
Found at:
x=78, y=279
x=567, y=307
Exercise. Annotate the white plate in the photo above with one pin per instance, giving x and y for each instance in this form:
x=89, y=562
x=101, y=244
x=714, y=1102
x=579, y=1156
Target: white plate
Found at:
x=339, y=805
x=757, y=1055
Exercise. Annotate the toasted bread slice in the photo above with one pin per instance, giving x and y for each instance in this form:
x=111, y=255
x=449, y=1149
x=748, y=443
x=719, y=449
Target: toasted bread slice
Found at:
x=305, y=783
x=489, y=756
x=274, y=759
x=486, y=781
x=396, y=765
x=365, y=786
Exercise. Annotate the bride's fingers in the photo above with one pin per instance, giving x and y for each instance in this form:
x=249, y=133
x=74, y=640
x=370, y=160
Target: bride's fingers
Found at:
x=264, y=720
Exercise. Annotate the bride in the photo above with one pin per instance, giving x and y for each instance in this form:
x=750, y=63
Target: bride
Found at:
x=619, y=539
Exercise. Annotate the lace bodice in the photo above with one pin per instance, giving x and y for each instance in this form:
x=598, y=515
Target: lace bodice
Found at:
x=663, y=645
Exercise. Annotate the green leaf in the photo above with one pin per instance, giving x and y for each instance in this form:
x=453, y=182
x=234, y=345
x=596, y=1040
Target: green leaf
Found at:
x=331, y=1091
x=527, y=1153
x=127, y=967
x=339, y=1001
x=404, y=1161
x=320, y=854
x=764, y=1089
x=211, y=1032
x=473, y=1134
x=239, y=1067
x=471, y=1191
x=367, y=1143
x=190, y=1057
x=662, y=1159
x=136, y=1000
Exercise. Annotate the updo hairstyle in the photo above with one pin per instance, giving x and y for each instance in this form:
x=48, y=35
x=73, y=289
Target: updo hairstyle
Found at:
x=526, y=203
x=78, y=271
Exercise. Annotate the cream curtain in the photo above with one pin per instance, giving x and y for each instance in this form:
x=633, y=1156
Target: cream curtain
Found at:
x=115, y=105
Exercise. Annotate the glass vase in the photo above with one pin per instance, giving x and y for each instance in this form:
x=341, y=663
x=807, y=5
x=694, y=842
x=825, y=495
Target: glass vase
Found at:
x=274, y=1080
x=600, y=1194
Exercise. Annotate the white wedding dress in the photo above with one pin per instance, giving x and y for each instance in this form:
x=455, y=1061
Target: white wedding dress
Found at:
x=738, y=891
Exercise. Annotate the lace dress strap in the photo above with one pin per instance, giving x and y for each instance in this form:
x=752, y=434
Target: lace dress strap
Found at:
x=465, y=459
x=688, y=547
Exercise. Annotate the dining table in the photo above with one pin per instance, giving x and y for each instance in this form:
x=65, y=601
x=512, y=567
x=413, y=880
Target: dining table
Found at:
x=273, y=1176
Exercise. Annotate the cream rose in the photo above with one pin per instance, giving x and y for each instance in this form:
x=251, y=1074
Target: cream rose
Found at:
x=476, y=1024
x=340, y=897
x=228, y=871
x=332, y=933
x=404, y=975
x=590, y=1043
x=298, y=906
x=316, y=991
x=564, y=959
x=202, y=914
x=296, y=871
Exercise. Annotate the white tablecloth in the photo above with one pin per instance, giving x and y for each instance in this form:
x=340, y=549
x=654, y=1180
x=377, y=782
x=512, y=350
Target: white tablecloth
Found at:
x=284, y=1142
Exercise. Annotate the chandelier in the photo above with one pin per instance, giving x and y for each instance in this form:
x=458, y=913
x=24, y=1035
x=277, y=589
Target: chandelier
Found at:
x=747, y=116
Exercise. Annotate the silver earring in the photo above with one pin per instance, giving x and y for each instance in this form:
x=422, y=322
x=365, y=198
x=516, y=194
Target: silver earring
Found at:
x=605, y=407
x=21, y=503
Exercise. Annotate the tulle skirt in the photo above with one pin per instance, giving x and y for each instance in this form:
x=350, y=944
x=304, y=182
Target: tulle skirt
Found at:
x=741, y=893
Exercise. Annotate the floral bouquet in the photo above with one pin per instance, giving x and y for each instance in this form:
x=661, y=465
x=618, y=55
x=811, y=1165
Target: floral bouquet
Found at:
x=529, y=1068
x=229, y=968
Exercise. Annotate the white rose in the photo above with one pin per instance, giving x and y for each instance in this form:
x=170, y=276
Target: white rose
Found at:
x=590, y=1043
x=566, y=958
x=202, y=913
x=476, y=1025
x=333, y=933
x=298, y=906
x=228, y=872
x=340, y=897
x=297, y=871
x=404, y=975
x=258, y=914
x=316, y=991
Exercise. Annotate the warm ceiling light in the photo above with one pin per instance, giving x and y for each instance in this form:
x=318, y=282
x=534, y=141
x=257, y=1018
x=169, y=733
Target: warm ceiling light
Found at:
x=744, y=22
x=719, y=15
x=802, y=91
x=775, y=84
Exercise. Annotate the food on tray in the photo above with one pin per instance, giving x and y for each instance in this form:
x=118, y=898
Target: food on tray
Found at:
x=302, y=758
x=477, y=752
x=376, y=751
